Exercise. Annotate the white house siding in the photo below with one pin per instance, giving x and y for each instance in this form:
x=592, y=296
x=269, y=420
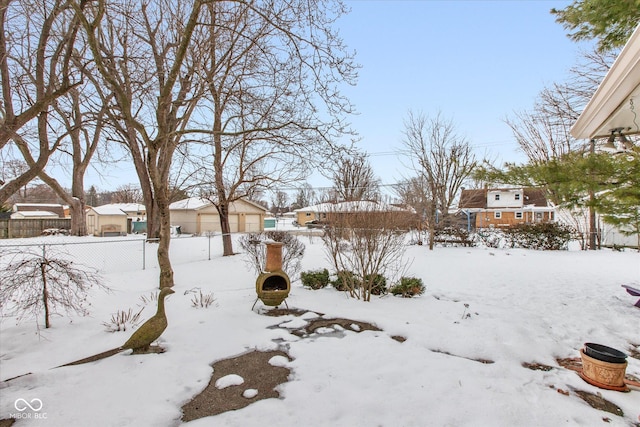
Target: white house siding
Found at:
x=507, y=199
x=99, y=217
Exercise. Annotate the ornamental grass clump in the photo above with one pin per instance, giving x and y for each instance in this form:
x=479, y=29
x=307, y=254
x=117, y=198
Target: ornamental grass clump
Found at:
x=408, y=287
x=123, y=320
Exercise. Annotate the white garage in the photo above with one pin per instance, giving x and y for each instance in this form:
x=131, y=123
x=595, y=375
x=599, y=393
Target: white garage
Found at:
x=197, y=216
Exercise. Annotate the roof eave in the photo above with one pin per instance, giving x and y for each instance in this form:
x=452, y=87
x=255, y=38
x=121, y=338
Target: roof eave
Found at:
x=611, y=106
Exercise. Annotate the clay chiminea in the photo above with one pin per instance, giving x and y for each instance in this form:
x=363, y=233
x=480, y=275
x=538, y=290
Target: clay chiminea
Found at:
x=273, y=284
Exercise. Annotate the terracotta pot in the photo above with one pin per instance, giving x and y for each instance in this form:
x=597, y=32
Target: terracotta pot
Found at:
x=603, y=373
x=604, y=353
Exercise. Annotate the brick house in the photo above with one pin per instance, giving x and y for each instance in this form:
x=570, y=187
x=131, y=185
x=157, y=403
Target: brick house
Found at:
x=503, y=207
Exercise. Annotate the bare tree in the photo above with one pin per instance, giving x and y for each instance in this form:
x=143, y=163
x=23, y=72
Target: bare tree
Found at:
x=354, y=179
x=127, y=194
x=441, y=158
x=81, y=114
x=279, y=202
x=272, y=70
x=143, y=53
x=365, y=248
x=304, y=197
x=36, y=49
x=414, y=193
x=543, y=133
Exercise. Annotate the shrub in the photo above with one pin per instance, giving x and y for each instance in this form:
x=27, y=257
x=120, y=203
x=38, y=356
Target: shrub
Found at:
x=408, y=287
x=378, y=283
x=453, y=236
x=315, y=279
x=345, y=280
x=541, y=236
x=255, y=253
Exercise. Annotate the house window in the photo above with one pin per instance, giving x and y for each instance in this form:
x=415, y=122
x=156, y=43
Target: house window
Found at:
x=539, y=216
x=497, y=215
x=517, y=196
x=518, y=215
x=497, y=197
x=308, y=214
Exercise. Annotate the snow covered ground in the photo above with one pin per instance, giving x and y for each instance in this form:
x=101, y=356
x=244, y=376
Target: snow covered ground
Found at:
x=509, y=306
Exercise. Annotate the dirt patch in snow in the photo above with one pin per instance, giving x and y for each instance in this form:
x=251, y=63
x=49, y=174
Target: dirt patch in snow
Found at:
x=261, y=379
x=258, y=374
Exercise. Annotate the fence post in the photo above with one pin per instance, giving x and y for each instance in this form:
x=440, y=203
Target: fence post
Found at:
x=144, y=254
x=209, y=234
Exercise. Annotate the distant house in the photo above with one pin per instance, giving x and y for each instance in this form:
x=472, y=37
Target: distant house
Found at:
x=34, y=215
x=195, y=216
x=502, y=207
x=135, y=211
x=105, y=221
x=336, y=212
x=55, y=208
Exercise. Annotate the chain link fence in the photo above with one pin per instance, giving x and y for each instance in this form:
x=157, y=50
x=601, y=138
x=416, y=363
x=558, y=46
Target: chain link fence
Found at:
x=119, y=255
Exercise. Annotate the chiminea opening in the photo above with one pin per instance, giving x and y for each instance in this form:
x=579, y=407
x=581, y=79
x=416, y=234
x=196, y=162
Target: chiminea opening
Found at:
x=273, y=284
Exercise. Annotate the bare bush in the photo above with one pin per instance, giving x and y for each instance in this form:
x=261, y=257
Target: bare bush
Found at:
x=256, y=254
x=368, y=244
x=34, y=282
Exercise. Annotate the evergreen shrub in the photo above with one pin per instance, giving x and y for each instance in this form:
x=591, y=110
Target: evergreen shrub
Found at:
x=408, y=287
x=550, y=236
x=315, y=279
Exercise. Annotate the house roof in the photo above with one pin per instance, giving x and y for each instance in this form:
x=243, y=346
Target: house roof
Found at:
x=616, y=102
x=108, y=210
x=196, y=203
x=535, y=197
x=473, y=199
x=477, y=198
x=129, y=207
x=56, y=208
x=35, y=214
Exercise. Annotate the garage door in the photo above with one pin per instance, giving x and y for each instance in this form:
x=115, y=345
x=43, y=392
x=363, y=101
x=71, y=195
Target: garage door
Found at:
x=233, y=223
x=209, y=222
x=252, y=223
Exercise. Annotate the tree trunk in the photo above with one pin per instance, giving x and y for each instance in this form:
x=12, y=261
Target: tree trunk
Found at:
x=227, y=243
x=78, y=218
x=45, y=294
x=166, y=271
x=432, y=228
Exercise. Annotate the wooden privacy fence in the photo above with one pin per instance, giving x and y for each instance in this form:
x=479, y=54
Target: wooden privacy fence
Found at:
x=18, y=228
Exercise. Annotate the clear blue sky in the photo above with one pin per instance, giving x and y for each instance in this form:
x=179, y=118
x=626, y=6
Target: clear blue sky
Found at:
x=474, y=61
